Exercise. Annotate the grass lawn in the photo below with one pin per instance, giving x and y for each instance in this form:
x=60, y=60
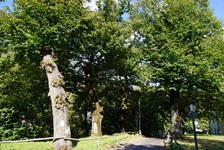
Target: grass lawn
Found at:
x=26, y=146
x=101, y=144
x=205, y=142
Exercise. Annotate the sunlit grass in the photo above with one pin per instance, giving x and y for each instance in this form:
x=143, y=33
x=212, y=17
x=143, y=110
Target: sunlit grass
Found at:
x=101, y=144
x=27, y=146
x=205, y=142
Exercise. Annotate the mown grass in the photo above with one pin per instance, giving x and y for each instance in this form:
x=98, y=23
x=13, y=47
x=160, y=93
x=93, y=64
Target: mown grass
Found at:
x=205, y=142
x=27, y=146
x=101, y=144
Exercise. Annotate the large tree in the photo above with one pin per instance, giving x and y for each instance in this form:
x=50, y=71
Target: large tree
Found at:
x=102, y=56
x=181, y=52
x=45, y=29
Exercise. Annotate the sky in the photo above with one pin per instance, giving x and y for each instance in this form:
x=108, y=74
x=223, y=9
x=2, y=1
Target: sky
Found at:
x=216, y=5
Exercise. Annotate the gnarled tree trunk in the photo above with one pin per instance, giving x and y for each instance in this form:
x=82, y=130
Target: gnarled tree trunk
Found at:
x=97, y=120
x=59, y=102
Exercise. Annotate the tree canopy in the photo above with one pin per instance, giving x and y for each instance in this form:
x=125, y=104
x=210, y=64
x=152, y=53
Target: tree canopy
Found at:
x=171, y=50
x=178, y=51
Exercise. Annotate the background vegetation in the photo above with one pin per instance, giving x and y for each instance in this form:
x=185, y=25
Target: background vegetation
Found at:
x=164, y=56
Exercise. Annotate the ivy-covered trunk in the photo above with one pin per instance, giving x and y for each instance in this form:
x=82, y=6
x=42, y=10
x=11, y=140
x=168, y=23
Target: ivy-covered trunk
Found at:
x=59, y=102
x=175, y=129
x=97, y=120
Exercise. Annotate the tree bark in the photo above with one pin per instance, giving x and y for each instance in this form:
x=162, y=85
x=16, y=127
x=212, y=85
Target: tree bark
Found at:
x=59, y=102
x=175, y=129
x=97, y=120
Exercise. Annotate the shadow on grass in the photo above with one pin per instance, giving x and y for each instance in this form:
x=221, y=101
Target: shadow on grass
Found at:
x=74, y=143
x=204, y=143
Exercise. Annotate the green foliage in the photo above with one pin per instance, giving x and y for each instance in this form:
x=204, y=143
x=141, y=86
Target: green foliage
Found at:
x=181, y=43
x=10, y=128
x=188, y=126
x=102, y=57
x=58, y=81
x=49, y=66
x=24, y=111
x=30, y=31
x=203, y=124
x=164, y=46
x=61, y=100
